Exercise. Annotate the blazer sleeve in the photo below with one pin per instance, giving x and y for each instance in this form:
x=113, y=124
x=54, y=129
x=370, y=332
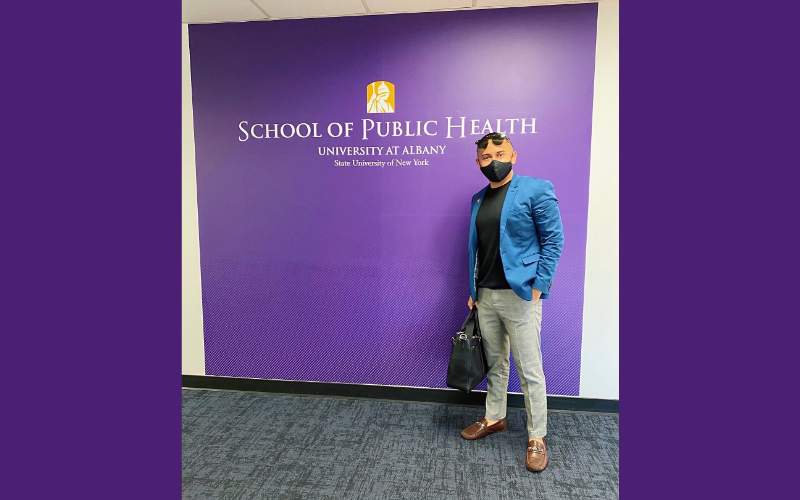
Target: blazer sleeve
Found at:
x=547, y=219
x=471, y=268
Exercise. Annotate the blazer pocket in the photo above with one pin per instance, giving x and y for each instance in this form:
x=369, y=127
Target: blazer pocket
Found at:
x=531, y=258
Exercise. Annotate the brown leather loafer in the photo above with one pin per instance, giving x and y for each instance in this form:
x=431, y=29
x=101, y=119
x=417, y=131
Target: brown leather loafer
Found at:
x=536, y=459
x=482, y=428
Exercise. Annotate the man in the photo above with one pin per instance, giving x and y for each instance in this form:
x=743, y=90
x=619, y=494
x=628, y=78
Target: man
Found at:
x=515, y=241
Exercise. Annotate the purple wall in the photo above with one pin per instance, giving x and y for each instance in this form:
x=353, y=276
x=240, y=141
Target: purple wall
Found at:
x=312, y=271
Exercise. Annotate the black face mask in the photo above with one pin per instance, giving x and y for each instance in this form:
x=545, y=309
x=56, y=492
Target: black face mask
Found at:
x=497, y=170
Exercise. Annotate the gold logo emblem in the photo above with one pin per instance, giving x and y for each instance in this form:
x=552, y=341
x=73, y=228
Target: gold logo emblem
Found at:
x=380, y=97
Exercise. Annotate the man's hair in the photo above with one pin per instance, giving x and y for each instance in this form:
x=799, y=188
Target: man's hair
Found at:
x=496, y=137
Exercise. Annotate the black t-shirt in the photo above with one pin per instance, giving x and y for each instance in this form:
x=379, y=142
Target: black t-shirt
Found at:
x=490, y=267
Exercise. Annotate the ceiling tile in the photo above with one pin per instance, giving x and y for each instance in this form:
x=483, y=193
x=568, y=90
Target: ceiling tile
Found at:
x=515, y=3
x=209, y=11
x=311, y=8
x=415, y=5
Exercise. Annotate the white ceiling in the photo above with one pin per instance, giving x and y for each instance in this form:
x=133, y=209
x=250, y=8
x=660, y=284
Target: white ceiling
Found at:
x=218, y=11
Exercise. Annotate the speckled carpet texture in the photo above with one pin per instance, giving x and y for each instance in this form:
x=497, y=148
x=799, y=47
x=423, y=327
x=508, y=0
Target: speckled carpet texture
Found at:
x=248, y=446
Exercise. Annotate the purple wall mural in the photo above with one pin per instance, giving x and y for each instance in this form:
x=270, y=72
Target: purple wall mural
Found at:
x=318, y=267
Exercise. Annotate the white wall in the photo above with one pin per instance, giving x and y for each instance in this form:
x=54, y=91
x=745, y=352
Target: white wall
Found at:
x=194, y=360
x=600, y=350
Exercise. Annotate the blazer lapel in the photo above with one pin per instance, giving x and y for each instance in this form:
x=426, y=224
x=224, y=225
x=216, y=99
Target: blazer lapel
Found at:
x=512, y=192
x=475, y=207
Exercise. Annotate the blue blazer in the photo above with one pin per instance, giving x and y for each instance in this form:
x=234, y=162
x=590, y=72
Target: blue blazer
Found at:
x=531, y=236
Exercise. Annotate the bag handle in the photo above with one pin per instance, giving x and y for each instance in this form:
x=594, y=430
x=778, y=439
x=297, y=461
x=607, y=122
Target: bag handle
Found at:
x=472, y=314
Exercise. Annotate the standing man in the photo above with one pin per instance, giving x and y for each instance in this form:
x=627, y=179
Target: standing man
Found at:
x=515, y=241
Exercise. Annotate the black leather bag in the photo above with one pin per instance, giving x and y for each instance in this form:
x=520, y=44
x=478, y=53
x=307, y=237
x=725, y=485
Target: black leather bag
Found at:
x=468, y=364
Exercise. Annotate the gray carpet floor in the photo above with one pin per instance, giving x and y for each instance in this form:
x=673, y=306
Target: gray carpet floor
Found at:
x=273, y=446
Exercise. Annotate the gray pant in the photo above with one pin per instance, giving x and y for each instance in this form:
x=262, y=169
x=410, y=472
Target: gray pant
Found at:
x=507, y=321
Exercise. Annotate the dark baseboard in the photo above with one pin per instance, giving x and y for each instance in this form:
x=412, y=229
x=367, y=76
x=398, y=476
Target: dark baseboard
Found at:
x=390, y=392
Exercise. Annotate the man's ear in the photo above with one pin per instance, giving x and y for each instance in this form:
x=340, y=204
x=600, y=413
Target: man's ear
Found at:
x=514, y=157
